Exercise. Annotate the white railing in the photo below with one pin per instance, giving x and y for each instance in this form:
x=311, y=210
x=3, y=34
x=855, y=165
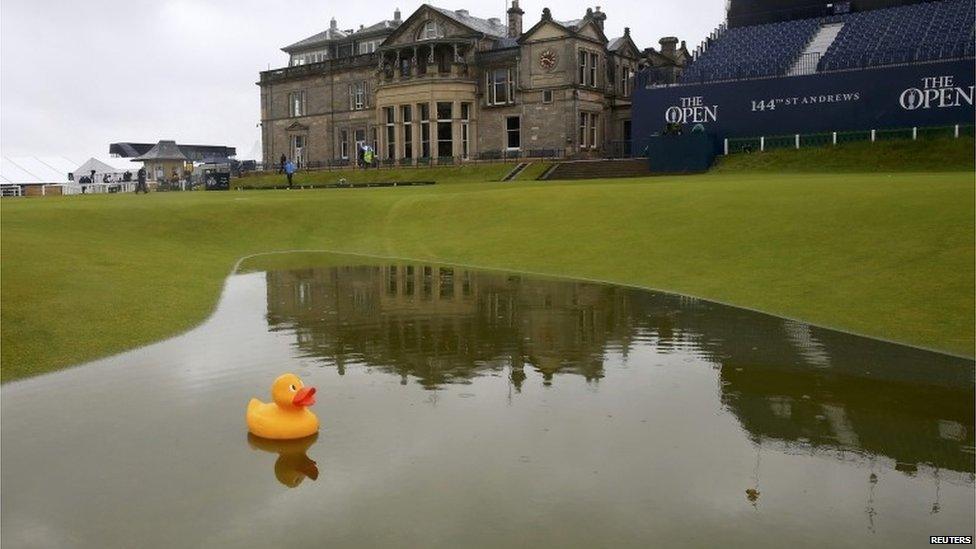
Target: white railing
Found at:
x=9, y=189
x=833, y=137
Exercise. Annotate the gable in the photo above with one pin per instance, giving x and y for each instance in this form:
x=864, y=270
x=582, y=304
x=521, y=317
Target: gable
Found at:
x=547, y=30
x=627, y=49
x=408, y=32
x=588, y=29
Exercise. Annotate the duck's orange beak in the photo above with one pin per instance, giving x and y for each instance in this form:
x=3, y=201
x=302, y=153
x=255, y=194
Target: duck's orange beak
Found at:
x=304, y=397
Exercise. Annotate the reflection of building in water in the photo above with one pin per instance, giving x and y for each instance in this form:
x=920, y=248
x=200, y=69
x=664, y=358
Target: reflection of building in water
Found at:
x=444, y=325
x=790, y=384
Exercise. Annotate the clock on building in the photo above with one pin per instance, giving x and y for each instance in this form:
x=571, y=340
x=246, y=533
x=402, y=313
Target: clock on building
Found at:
x=547, y=59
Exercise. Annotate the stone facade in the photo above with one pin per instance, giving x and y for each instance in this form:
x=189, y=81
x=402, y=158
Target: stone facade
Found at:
x=444, y=86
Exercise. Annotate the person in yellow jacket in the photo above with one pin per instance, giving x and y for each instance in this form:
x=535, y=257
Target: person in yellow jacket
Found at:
x=368, y=157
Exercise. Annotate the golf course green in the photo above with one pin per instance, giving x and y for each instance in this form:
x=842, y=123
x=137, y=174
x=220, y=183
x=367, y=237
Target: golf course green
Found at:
x=889, y=255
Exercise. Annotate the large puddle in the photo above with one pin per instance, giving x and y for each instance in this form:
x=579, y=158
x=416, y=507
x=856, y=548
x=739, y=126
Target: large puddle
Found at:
x=478, y=409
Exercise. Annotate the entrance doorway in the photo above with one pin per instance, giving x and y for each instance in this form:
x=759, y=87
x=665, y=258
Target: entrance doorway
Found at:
x=298, y=150
x=360, y=145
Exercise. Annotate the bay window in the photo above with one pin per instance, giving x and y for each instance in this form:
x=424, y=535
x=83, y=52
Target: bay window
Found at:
x=444, y=130
x=424, y=109
x=389, y=113
x=406, y=113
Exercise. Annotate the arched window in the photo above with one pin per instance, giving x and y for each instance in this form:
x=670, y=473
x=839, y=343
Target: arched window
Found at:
x=430, y=30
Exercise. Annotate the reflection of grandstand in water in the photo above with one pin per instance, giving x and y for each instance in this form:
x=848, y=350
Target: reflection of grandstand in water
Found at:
x=446, y=325
x=789, y=384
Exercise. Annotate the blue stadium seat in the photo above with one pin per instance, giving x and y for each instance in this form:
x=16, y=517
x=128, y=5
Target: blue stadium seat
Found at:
x=928, y=31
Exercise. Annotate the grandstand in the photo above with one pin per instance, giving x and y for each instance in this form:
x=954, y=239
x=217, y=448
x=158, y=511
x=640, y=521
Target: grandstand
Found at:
x=784, y=73
x=926, y=31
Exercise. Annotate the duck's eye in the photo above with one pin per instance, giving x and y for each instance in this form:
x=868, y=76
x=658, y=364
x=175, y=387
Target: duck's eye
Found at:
x=293, y=389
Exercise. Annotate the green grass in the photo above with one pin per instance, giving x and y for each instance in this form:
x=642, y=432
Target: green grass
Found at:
x=889, y=255
x=465, y=173
x=928, y=155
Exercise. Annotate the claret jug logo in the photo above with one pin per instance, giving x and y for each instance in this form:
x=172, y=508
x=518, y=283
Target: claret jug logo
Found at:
x=691, y=110
x=937, y=92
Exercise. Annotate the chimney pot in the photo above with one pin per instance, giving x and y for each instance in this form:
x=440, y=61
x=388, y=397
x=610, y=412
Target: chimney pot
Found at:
x=515, y=20
x=668, y=44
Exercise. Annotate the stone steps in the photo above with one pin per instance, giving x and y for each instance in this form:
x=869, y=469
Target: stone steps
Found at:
x=598, y=169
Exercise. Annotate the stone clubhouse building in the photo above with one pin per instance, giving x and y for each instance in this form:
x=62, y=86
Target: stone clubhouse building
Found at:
x=445, y=86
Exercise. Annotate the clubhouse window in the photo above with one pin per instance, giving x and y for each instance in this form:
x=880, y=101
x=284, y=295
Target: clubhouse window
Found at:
x=389, y=114
x=344, y=144
x=430, y=31
x=588, y=130
x=424, y=109
x=594, y=124
x=625, y=75
x=500, y=86
x=444, y=131
x=583, y=57
x=513, y=133
x=465, y=128
x=296, y=103
x=547, y=96
x=588, y=63
x=358, y=96
x=369, y=47
x=594, y=62
x=406, y=113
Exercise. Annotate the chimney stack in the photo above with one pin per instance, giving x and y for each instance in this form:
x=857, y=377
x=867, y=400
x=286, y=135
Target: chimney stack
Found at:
x=599, y=17
x=333, y=25
x=515, y=20
x=396, y=15
x=668, y=45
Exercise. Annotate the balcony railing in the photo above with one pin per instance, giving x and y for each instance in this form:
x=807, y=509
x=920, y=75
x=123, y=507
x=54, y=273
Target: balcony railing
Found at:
x=325, y=67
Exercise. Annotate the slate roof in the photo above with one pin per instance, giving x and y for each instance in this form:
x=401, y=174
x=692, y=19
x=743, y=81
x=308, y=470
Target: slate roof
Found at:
x=384, y=25
x=617, y=43
x=323, y=37
x=334, y=35
x=476, y=23
x=164, y=150
x=192, y=152
x=506, y=42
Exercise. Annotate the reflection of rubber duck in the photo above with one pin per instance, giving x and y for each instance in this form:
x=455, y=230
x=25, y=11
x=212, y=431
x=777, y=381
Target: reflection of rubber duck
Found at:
x=292, y=465
x=288, y=416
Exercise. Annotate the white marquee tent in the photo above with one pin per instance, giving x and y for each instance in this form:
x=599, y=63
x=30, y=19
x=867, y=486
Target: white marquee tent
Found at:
x=113, y=167
x=20, y=171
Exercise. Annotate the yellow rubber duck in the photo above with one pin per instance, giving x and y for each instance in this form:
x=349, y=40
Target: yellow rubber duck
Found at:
x=288, y=416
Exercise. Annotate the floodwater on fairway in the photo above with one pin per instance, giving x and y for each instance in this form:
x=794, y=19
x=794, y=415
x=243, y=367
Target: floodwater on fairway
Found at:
x=463, y=408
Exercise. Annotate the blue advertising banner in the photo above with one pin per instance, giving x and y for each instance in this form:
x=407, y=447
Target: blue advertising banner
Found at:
x=930, y=94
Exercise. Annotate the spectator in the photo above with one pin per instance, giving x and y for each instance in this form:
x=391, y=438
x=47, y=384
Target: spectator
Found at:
x=289, y=168
x=141, y=181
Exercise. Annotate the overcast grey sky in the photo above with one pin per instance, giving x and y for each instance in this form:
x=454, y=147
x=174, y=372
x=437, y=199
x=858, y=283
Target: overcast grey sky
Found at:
x=76, y=76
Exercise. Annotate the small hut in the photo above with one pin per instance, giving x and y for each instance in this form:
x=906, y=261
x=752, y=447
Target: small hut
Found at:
x=163, y=161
